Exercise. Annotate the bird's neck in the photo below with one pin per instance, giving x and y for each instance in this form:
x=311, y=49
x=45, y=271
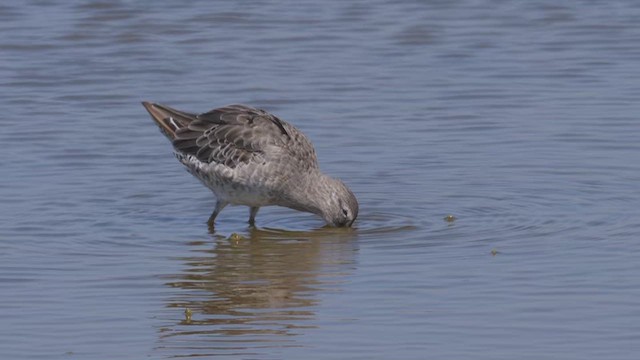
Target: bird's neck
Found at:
x=309, y=192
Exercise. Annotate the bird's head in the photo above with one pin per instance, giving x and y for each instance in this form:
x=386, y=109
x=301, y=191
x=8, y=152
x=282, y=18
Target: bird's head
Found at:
x=340, y=205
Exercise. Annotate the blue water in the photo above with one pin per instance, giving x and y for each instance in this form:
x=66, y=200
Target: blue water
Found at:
x=518, y=118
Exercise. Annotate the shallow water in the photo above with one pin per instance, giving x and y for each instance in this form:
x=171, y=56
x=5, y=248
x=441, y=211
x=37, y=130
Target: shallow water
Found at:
x=521, y=120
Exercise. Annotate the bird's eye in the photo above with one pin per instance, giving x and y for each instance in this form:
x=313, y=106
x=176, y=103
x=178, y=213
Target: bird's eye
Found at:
x=345, y=212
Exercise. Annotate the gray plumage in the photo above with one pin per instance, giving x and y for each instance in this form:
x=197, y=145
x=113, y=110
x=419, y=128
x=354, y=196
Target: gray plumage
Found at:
x=248, y=156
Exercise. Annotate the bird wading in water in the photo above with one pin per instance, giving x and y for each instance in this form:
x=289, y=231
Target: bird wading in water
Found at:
x=248, y=156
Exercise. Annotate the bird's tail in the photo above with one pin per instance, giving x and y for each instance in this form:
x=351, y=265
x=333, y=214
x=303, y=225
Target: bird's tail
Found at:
x=168, y=119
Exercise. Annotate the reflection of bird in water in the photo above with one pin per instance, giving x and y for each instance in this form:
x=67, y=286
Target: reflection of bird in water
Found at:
x=247, y=156
x=259, y=288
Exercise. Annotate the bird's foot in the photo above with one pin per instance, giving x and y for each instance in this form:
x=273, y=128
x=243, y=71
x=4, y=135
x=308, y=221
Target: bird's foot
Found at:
x=211, y=226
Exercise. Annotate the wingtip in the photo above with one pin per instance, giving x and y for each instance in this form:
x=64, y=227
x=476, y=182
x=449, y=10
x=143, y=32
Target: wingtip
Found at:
x=158, y=116
x=153, y=110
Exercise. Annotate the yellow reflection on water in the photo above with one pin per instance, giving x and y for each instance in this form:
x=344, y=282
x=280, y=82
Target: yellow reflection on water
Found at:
x=254, y=288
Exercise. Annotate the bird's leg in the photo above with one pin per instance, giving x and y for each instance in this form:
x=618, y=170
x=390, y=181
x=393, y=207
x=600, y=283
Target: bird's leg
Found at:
x=219, y=206
x=252, y=215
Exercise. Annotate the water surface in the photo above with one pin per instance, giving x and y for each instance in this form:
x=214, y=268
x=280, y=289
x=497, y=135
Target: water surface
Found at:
x=520, y=119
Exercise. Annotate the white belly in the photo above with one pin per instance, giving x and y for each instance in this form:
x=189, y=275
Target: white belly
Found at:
x=239, y=186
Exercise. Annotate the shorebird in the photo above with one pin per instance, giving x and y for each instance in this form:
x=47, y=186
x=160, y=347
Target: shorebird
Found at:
x=248, y=156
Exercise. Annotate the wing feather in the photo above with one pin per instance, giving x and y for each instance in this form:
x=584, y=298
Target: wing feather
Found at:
x=231, y=135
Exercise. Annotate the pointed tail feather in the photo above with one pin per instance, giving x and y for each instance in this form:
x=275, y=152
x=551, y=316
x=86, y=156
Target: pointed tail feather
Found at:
x=168, y=119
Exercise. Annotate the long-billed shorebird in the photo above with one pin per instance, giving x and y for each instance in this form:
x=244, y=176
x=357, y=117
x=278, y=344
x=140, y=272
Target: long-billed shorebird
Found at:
x=248, y=156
